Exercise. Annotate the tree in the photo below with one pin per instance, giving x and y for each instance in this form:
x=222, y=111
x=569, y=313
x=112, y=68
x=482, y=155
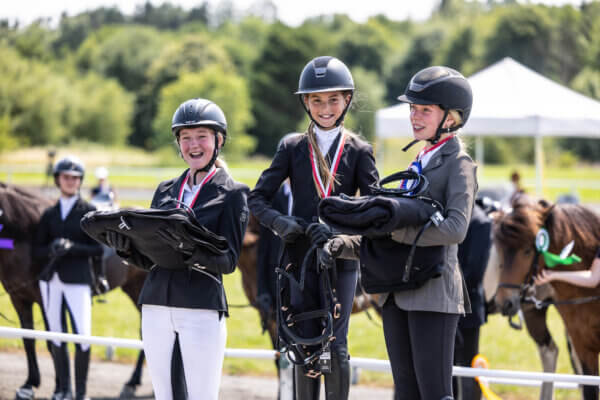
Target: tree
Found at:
x=227, y=90
x=101, y=109
x=364, y=46
x=276, y=71
x=189, y=54
x=72, y=31
x=425, y=48
x=368, y=98
x=124, y=53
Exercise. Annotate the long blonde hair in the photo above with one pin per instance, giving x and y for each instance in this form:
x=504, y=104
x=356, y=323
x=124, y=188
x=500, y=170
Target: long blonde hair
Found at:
x=322, y=165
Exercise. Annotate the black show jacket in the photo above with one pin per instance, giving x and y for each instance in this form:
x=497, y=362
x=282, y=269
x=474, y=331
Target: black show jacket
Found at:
x=73, y=267
x=221, y=207
x=356, y=171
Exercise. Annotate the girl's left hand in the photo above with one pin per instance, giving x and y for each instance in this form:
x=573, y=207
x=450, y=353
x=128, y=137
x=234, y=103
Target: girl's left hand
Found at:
x=543, y=277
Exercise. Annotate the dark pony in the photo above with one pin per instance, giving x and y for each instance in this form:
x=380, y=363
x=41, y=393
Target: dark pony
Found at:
x=20, y=212
x=579, y=307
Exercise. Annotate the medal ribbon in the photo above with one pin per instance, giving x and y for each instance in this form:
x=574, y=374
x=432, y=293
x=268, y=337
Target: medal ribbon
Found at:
x=210, y=174
x=416, y=165
x=326, y=191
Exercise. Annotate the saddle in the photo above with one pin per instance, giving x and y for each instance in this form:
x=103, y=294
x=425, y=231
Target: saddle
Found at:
x=147, y=229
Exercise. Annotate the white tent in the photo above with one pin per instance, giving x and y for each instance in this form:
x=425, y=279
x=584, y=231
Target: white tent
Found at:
x=510, y=99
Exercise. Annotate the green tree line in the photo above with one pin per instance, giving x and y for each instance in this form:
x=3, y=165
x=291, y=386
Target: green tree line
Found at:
x=106, y=77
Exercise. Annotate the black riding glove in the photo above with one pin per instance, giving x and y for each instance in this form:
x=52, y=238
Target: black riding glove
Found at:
x=119, y=242
x=318, y=233
x=59, y=247
x=330, y=251
x=287, y=228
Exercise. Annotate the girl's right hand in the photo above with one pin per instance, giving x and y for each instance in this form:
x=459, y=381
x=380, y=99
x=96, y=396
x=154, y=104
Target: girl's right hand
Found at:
x=543, y=277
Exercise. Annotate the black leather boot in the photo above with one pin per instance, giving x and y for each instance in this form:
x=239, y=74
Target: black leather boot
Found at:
x=306, y=388
x=337, y=382
x=63, y=373
x=82, y=363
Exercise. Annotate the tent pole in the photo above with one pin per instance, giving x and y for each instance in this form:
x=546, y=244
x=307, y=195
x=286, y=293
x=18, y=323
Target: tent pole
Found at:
x=379, y=153
x=539, y=165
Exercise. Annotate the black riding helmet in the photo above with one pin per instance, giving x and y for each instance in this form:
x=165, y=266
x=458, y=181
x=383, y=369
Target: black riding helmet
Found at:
x=70, y=165
x=325, y=74
x=200, y=112
x=444, y=87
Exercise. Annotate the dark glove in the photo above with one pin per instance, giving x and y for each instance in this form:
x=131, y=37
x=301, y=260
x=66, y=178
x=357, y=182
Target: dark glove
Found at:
x=176, y=242
x=59, y=247
x=101, y=285
x=287, y=228
x=318, y=233
x=330, y=251
x=118, y=241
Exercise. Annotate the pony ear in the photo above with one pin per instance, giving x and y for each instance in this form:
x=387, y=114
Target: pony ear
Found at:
x=544, y=203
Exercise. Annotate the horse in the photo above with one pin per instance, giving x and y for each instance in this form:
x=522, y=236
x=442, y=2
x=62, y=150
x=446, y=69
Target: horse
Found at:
x=20, y=211
x=515, y=234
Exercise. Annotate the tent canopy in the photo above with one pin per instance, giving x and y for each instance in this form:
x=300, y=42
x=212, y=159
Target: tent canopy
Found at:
x=511, y=100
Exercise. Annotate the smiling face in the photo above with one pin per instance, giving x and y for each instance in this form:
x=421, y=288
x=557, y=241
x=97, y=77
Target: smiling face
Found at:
x=197, y=146
x=68, y=184
x=326, y=107
x=425, y=119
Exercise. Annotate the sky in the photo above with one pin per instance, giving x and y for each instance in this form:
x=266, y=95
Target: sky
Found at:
x=291, y=12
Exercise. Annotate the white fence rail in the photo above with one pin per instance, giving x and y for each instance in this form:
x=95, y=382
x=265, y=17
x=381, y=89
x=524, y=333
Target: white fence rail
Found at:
x=489, y=375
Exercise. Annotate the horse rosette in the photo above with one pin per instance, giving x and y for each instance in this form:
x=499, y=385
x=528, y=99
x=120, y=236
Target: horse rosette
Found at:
x=166, y=237
x=542, y=243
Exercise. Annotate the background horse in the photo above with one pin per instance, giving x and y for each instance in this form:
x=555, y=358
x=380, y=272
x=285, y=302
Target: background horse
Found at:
x=20, y=211
x=514, y=235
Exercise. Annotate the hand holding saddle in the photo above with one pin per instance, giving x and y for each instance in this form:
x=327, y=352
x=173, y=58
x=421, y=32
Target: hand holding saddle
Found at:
x=330, y=251
x=119, y=242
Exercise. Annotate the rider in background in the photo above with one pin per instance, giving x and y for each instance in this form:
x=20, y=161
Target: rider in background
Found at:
x=310, y=160
x=65, y=283
x=587, y=278
x=103, y=192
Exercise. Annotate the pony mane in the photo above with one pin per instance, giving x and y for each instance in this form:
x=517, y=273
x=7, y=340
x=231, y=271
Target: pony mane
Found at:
x=565, y=222
x=21, y=210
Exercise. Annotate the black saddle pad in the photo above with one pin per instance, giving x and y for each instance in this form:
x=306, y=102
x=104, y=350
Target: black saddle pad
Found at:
x=144, y=227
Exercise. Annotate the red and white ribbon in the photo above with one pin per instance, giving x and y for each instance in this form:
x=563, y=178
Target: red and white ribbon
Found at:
x=206, y=178
x=325, y=191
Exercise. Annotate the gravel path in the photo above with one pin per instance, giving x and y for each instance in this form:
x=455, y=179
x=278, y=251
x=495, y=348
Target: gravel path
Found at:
x=106, y=379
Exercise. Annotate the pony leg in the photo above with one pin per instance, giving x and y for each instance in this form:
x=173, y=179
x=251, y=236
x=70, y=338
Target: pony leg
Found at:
x=535, y=321
x=589, y=363
x=25, y=313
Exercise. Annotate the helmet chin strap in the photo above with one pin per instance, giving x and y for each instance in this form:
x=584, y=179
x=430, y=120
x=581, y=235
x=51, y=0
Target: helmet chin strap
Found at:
x=212, y=161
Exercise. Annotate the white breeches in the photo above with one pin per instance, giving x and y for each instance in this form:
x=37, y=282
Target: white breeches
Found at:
x=78, y=300
x=202, y=337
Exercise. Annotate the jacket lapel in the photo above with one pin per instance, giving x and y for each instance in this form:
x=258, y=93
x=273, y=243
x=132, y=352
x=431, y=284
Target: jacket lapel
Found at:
x=437, y=158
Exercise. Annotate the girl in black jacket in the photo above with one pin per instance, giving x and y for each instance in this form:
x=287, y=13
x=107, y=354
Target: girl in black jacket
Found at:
x=326, y=160
x=65, y=282
x=189, y=303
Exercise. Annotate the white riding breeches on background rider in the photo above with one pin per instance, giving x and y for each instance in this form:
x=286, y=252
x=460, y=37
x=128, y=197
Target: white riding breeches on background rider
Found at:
x=78, y=299
x=202, y=337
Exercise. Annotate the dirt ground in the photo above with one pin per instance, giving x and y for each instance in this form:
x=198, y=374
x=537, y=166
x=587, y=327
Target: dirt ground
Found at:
x=107, y=378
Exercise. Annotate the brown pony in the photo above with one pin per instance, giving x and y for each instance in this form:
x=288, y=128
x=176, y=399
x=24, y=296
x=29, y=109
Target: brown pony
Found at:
x=20, y=211
x=514, y=235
